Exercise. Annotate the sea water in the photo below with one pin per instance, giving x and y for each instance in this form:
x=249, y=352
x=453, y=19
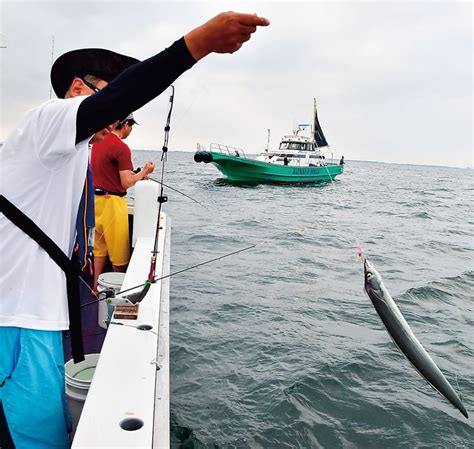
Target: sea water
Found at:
x=279, y=346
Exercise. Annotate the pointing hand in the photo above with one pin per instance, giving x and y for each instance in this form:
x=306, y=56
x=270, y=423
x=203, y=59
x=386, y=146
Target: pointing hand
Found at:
x=225, y=33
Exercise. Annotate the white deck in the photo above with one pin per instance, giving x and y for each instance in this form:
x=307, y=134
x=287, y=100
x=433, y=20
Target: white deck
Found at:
x=127, y=384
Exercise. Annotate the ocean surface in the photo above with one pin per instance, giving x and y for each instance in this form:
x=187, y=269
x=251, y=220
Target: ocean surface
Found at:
x=279, y=346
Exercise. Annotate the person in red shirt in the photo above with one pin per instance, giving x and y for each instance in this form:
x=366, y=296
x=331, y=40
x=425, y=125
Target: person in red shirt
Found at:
x=112, y=173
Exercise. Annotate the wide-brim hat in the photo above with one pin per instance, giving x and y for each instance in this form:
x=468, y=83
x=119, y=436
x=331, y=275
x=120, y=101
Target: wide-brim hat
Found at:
x=98, y=62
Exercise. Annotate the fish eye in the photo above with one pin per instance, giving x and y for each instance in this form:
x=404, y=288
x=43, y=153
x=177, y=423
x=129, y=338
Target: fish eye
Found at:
x=369, y=276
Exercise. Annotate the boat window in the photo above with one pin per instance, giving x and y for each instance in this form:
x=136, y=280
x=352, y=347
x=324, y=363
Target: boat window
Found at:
x=296, y=146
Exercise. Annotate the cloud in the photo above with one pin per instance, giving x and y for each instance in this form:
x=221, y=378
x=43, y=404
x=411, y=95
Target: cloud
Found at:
x=393, y=80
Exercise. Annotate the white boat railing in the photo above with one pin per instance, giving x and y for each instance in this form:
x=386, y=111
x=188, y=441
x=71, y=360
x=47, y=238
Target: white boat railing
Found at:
x=225, y=149
x=327, y=159
x=328, y=156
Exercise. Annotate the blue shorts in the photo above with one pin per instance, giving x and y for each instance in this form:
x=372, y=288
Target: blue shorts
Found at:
x=32, y=389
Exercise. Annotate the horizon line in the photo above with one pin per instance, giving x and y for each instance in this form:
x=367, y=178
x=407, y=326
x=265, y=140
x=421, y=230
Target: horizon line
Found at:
x=467, y=167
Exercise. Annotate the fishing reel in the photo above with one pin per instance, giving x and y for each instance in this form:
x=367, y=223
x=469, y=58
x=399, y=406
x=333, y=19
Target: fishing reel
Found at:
x=109, y=296
x=106, y=294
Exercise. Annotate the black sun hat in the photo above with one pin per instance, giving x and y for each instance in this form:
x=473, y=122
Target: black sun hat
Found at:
x=98, y=62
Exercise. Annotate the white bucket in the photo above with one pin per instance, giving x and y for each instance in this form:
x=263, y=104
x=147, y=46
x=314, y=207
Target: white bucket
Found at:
x=106, y=307
x=78, y=380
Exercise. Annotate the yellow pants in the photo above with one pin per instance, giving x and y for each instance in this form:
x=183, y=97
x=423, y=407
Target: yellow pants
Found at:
x=111, y=229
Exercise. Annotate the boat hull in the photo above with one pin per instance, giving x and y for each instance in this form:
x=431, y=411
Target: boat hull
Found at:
x=240, y=169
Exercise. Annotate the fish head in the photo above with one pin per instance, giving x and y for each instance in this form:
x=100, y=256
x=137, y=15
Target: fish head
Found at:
x=372, y=279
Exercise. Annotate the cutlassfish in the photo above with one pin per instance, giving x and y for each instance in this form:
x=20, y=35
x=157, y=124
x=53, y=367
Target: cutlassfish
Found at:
x=404, y=338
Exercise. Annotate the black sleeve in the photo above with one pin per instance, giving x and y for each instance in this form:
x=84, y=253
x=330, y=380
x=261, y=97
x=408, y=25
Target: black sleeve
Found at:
x=132, y=89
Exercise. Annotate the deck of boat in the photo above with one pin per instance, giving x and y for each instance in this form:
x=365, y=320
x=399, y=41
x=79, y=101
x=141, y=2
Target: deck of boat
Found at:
x=128, y=401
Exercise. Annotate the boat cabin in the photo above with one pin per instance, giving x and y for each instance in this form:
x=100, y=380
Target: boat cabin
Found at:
x=295, y=150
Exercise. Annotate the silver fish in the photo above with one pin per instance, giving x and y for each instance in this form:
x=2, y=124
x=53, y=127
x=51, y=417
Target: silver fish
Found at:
x=404, y=338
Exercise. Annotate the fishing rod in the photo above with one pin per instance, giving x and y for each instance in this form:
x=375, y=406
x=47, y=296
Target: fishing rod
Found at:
x=135, y=296
x=161, y=199
x=215, y=259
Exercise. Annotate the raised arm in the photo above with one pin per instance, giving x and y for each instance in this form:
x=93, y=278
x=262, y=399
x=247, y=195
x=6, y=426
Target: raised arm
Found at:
x=144, y=81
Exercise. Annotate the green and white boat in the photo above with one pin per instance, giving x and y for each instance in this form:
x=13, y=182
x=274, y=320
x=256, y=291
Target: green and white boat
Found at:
x=300, y=158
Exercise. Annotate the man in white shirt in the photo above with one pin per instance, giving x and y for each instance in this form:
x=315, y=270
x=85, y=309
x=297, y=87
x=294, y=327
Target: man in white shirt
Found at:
x=43, y=166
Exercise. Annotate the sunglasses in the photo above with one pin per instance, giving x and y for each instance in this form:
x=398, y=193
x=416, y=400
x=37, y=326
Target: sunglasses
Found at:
x=91, y=86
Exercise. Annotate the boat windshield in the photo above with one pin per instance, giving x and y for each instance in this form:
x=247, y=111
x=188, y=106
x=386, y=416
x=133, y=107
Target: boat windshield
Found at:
x=298, y=146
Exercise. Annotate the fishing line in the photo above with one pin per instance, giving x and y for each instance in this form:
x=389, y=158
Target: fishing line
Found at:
x=87, y=285
x=327, y=170
x=215, y=259
x=196, y=94
x=330, y=177
x=162, y=198
x=168, y=187
x=154, y=361
x=156, y=279
x=182, y=193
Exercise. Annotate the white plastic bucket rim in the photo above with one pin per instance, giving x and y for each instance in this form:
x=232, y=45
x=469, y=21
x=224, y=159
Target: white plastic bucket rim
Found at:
x=72, y=369
x=110, y=280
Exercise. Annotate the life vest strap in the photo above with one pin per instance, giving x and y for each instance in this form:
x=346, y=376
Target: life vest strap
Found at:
x=29, y=227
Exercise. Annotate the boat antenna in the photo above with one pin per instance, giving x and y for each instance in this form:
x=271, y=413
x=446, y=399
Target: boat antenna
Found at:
x=52, y=60
x=268, y=139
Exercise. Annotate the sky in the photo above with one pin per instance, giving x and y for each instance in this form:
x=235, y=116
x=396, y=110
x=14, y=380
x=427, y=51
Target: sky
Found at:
x=393, y=80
